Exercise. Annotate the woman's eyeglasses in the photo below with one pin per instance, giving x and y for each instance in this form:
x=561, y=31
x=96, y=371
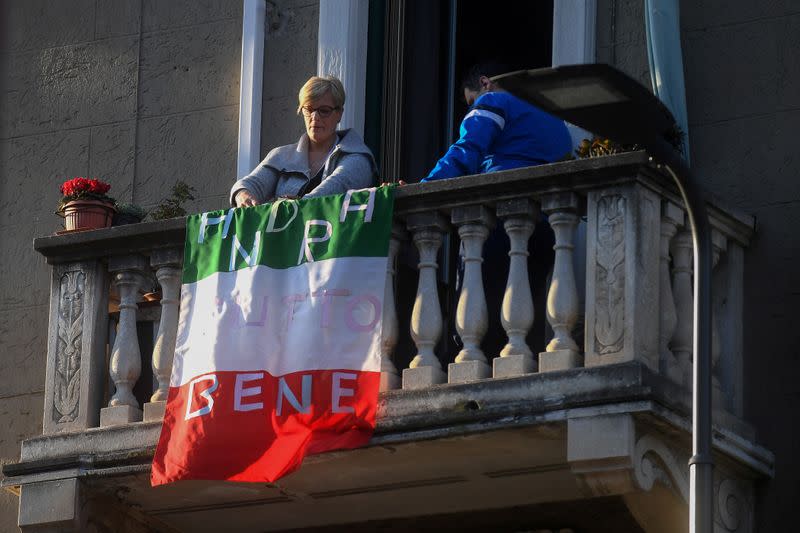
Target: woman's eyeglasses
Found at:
x=323, y=111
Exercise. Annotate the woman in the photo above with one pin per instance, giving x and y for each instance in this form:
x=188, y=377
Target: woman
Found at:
x=324, y=161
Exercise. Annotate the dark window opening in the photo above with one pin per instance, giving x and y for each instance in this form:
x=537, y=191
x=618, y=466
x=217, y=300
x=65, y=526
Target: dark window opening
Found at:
x=427, y=47
x=517, y=34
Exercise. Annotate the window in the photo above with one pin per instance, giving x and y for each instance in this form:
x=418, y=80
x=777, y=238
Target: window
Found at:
x=427, y=46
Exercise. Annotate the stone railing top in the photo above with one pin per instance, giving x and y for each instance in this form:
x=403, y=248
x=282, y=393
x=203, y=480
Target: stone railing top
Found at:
x=526, y=181
x=442, y=195
x=117, y=240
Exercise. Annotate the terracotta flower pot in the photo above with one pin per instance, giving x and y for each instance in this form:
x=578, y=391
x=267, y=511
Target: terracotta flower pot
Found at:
x=154, y=296
x=87, y=214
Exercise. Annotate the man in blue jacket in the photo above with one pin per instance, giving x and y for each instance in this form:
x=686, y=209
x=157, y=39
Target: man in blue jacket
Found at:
x=502, y=132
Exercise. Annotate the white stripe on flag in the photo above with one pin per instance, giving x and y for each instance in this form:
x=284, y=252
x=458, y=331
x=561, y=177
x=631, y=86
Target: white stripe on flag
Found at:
x=309, y=317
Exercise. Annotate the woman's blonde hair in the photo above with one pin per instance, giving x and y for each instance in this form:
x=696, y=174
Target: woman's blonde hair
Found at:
x=316, y=87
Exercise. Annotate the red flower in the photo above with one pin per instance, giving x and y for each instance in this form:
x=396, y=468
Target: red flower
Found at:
x=82, y=188
x=99, y=187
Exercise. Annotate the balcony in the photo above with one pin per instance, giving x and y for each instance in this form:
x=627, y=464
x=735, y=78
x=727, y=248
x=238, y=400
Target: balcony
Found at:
x=592, y=433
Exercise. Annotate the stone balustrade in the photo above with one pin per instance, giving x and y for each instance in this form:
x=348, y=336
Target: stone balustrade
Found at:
x=536, y=349
x=635, y=302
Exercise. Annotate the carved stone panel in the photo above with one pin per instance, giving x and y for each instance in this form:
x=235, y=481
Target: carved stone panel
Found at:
x=622, y=273
x=610, y=275
x=66, y=395
x=76, y=346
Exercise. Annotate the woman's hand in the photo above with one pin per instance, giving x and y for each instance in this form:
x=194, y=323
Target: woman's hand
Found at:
x=245, y=199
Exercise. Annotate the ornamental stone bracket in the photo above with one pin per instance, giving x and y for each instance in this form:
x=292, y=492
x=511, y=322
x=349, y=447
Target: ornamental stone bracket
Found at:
x=611, y=456
x=66, y=506
x=600, y=451
x=733, y=504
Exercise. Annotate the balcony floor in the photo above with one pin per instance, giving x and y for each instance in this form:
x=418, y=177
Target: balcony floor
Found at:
x=503, y=480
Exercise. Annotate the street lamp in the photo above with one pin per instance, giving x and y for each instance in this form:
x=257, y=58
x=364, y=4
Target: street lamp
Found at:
x=607, y=102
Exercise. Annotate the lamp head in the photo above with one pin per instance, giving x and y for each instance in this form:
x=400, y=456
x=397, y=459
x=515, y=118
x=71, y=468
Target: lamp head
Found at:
x=595, y=97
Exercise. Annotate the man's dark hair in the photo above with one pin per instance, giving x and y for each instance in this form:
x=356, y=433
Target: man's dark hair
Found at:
x=471, y=79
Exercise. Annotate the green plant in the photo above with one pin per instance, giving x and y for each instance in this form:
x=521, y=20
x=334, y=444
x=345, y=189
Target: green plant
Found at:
x=130, y=211
x=676, y=137
x=172, y=205
x=598, y=147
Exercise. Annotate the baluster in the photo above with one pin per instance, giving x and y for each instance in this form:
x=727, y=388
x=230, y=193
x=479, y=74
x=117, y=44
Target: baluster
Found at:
x=517, y=313
x=471, y=315
x=681, y=344
x=390, y=378
x=167, y=263
x=125, y=364
x=719, y=244
x=562, y=299
x=671, y=218
x=426, y=316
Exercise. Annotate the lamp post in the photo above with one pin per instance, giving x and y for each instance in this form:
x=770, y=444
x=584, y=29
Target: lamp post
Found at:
x=605, y=101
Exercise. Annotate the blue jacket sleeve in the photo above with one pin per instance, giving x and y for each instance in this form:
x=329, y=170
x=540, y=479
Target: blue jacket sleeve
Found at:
x=480, y=127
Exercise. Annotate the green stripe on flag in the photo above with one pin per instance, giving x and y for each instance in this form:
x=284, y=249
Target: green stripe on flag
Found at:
x=286, y=233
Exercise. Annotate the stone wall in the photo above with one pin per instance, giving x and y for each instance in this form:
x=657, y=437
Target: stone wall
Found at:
x=743, y=97
x=139, y=93
x=743, y=93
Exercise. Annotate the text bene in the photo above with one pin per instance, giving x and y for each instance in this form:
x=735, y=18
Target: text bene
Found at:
x=255, y=391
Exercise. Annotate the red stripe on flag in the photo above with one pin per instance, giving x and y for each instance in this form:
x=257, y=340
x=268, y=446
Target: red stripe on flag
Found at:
x=252, y=426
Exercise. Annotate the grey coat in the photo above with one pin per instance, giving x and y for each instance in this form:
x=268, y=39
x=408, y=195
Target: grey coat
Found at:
x=285, y=172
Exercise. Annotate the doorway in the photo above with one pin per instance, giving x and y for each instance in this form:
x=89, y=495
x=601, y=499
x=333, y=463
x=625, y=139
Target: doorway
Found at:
x=517, y=34
x=428, y=46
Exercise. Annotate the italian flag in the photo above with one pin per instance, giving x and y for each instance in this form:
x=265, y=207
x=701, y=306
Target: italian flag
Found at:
x=278, y=349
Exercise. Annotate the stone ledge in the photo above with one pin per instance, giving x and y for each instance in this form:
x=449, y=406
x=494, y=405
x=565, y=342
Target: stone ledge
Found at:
x=455, y=403
x=512, y=184
x=440, y=411
x=76, y=446
x=117, y=240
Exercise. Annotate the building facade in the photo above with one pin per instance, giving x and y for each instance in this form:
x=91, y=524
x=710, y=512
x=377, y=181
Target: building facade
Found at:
x=595, y=437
